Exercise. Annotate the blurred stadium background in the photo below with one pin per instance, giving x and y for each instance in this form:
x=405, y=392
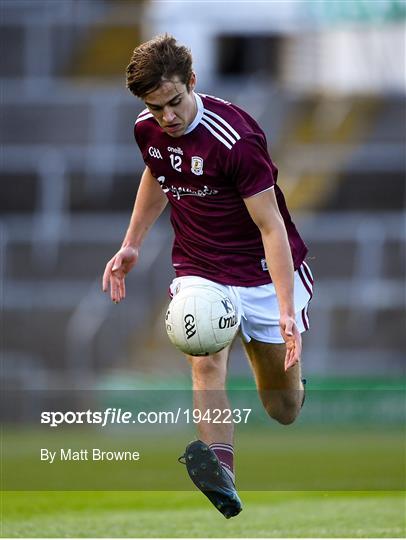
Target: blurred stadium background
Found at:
x=326, y=80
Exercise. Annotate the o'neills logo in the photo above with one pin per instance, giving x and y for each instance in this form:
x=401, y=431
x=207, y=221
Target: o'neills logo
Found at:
x=177, y=150
x=227, y=322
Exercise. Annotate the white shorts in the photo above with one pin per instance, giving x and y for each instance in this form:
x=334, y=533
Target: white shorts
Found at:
x=257, y=307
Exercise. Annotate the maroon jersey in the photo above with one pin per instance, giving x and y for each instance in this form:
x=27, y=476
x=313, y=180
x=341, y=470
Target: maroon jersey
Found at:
x=220, y=159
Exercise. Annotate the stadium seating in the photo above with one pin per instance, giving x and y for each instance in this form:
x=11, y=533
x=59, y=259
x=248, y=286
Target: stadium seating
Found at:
x=68, y=178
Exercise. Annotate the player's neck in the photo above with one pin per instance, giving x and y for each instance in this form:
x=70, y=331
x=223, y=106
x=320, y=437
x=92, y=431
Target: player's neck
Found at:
x=197, y=113
x=195, y=109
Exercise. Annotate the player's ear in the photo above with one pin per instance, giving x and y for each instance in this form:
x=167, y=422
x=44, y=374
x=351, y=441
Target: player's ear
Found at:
x=192, y=82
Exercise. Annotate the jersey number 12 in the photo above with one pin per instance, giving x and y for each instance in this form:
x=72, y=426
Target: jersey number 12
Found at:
x=176, y=162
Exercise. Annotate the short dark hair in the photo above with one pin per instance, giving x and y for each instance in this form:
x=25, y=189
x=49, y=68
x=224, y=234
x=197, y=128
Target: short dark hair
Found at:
x=155, y=61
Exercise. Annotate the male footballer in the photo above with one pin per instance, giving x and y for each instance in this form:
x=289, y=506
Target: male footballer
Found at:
x=208, y=158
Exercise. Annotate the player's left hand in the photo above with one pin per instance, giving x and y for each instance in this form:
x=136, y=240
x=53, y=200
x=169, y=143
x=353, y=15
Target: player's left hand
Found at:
x=293, y=341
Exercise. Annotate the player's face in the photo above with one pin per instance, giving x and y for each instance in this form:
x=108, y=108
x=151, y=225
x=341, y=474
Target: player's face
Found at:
x=173, y=106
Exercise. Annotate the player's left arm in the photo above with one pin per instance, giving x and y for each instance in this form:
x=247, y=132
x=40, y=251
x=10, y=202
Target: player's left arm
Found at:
x=264, y=211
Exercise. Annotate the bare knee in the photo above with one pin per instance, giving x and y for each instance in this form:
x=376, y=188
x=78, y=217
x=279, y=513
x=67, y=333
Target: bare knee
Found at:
x=286, y=416
x=206, y=367
x=208, y=372
x=283, y=410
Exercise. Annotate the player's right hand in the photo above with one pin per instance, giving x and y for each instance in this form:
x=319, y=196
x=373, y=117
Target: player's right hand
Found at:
x=116, y=270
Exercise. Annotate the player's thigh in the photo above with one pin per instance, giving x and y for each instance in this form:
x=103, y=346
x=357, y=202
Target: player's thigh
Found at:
x=268, y=364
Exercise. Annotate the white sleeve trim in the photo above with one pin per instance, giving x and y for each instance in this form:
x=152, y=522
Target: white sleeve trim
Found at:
x=263, y=191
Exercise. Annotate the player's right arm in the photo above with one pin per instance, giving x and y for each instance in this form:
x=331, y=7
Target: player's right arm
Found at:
x=149, y=205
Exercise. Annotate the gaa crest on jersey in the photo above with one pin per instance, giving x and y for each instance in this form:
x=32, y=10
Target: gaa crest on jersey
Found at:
x=197, y=165
x=154, y=152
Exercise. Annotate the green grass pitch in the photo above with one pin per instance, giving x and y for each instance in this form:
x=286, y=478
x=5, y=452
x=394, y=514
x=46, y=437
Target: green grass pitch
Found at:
x=189, y=514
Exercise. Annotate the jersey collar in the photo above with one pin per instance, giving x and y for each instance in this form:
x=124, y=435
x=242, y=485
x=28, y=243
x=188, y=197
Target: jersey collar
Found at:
x=198, y=116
